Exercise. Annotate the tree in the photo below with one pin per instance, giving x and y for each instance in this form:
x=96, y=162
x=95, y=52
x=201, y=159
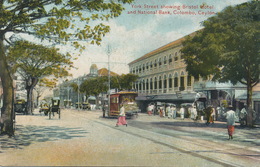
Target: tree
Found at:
x=94, y=86
x=228, y=48
x=124, y=81
x=34, y=62
x=58, y=21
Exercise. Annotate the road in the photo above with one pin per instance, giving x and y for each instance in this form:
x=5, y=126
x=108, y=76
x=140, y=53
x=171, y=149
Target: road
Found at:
x=84, y=138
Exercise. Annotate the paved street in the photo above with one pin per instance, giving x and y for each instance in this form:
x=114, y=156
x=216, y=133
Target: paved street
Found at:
x=84, y=138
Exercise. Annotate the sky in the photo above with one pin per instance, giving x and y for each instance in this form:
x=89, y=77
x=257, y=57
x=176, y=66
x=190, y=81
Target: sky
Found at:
x=145, y=26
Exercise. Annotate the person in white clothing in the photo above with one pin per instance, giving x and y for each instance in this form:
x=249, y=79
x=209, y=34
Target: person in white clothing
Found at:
x=231, y=117
x=182, y=112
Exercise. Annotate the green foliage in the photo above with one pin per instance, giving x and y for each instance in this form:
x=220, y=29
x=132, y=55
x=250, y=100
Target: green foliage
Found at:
x=60, y=21
x=228, y=47
x=123, y=81
x=99, y=85
x=94, y=86
x=32, y=60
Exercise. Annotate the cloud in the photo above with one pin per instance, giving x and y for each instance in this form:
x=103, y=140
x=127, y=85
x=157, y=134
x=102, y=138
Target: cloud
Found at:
x=132, y=36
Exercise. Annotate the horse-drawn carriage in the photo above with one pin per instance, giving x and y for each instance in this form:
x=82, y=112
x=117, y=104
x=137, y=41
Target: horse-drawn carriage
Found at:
x=55, y=107
x=19, y=106
x=44, y=107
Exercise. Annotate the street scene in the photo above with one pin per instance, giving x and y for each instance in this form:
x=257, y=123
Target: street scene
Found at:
x=85, y=138
x=130, y=83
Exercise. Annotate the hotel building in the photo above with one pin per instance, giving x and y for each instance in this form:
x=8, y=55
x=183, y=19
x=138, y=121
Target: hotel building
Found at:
x=163, y=76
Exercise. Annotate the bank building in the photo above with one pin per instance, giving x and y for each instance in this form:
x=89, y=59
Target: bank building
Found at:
x=163, y=79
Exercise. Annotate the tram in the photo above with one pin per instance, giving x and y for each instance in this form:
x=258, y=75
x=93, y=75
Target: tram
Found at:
x=124, y=97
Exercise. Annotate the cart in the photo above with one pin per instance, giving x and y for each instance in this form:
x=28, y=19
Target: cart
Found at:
x=85, y=106
x=20, y=106
x=44, y=108
x=55, y=107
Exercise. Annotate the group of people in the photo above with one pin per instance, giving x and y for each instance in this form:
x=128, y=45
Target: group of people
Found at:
x=230, y=115
x=171, y=111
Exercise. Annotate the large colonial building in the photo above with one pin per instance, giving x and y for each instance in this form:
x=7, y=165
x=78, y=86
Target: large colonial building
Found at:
x=163, y=78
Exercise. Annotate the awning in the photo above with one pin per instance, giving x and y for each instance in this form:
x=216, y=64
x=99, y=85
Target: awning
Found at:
x=167, y=97
x=255, y=96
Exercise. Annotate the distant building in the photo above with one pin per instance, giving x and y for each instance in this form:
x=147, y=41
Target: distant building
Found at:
x=67, y=94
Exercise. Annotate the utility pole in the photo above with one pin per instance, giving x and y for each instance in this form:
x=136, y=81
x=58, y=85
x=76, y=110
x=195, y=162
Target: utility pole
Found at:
x=78, y=93
x=109, y=52
x=108, y=100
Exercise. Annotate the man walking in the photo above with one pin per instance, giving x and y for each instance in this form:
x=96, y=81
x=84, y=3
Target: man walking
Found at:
x=231, y=117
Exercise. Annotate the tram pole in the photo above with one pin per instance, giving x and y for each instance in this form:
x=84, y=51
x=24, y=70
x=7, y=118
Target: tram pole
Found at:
x=109, y=78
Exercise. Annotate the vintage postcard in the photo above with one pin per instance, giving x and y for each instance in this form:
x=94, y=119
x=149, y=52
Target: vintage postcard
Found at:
x=130, y=83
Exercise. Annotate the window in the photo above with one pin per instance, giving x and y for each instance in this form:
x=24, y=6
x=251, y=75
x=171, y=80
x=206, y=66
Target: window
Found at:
x=160, y=61
x=189, y=80
x=165, y=60
x=160, y=82
x=170, y=59
x=151, y=83
x=147, y=84
x=147, y=66
x=175, y=82
x=155, y=63
x=170, y=81
x=176, y=56
x=165, y=81
x=140, y=69
x=182, y=56
x=155, y=83
x=151, y=65
x=182, y=87
x=143, y=67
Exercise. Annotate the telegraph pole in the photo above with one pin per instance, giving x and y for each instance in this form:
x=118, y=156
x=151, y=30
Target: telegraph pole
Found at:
x=109, y=78
x=78, y=93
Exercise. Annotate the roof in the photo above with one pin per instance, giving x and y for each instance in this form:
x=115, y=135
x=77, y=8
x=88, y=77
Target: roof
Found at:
x=93, y=66
x=163, y=48
x=104, y=72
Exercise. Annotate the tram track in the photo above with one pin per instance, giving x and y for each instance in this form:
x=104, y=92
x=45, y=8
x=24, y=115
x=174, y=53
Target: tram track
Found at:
x=153, y=135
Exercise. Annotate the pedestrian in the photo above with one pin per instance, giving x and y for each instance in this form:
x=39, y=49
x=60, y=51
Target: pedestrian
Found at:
x=231, y=117
x=194, y=110
x=243, y=116
x=163, y=111
x=208, y=114
x=182, y=113
x=213, y=114
x=173, y=108
x=149, y=109
x=121, y=117
x=169, y=111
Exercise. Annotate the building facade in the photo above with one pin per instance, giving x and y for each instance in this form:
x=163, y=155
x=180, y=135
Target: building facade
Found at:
x=69, y=97
x=163, y=76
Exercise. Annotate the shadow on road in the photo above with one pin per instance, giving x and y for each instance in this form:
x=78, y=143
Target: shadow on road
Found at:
x=26, y=135
x=189, y=124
